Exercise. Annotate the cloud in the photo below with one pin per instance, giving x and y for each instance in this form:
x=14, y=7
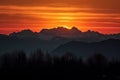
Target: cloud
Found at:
x=96, y=13
x=44, y=15
x=58, y=9
x=16, y=18
x=75, y=6
x=114, y=4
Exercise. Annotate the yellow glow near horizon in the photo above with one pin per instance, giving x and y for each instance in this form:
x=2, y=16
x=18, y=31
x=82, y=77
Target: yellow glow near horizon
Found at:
x=67, y=27
x=15, y=18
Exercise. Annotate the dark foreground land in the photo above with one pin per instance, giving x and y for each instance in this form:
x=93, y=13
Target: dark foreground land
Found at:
x=40, y=66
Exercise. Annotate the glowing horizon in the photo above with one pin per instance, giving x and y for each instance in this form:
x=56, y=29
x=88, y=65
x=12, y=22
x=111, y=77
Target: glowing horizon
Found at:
x=94, y=15
x=82, y=29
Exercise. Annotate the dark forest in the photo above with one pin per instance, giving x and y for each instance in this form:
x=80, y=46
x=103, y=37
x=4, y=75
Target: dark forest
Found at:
x=39, y=64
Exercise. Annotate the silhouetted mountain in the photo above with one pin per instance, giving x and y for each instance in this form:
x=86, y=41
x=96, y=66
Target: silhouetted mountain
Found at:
x=64, y=33
x=75, y=34
x=59, y=32
x=109, y=48
x=49, y=39
x=13, y=43
x=3, y=36
x=24, y=34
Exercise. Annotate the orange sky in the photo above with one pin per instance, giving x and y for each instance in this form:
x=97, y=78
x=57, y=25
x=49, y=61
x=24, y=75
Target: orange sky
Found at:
x=97, y=15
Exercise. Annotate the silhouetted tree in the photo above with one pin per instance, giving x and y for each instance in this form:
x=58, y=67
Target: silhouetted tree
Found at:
x=37, y=57
x=69, y=58
x=21, y=59
x=68, y=65
x=97, y=64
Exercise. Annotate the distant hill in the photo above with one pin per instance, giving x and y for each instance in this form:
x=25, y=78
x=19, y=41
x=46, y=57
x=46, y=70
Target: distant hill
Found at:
x=61, y=31
x=3, y=36
x=24, y=34
x=49, y=39
x=64, y=33
x=10, y=44
x=109, y=48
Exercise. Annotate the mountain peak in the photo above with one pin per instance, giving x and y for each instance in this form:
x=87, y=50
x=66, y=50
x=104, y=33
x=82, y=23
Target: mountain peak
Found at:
x=24, y=34
x=61, y=27
x=74, y=28
x=61, y=31
x=27, y=31
x=92, y=32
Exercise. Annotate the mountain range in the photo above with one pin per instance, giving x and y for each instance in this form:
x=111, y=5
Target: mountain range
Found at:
x=64, y=33
x=60, y=40
x=109, y=48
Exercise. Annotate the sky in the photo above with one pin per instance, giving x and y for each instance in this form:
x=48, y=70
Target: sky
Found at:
x=97, y=15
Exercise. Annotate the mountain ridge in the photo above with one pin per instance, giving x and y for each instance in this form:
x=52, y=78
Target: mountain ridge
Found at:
x=61, y=32
x=109, y=48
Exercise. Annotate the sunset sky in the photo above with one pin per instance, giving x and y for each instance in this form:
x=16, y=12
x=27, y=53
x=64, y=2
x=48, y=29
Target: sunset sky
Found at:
x=97, y=15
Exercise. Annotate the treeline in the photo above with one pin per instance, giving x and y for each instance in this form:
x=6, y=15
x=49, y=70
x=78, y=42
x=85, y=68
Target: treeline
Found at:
x=37, y=64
